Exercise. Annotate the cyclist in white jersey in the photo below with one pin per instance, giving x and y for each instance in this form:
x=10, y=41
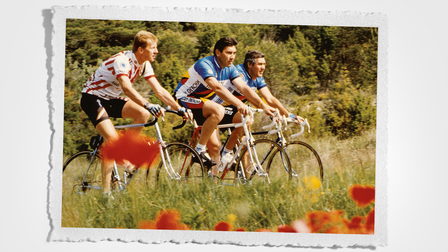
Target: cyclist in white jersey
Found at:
x=100, y=95
x=203, y=81
x=252, y=73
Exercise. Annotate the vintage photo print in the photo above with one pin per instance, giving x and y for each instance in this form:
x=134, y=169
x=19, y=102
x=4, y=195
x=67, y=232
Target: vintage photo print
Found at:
x=292, y=107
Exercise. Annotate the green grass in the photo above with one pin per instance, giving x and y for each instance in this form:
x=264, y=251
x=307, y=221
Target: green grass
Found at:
x=259, y=205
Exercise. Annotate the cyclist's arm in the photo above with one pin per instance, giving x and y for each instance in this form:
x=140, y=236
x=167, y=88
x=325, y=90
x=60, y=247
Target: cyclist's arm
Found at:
x=130, y=91
x=252, y=97
x=225, y=94
x=272, y=101
x=163, y=94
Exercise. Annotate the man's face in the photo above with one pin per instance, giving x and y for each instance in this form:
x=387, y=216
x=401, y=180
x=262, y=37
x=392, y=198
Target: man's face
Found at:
x=149, y=53
x=257, y=69
x=227, y=56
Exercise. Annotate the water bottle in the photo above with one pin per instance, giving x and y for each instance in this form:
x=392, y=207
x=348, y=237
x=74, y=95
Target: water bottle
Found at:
x=224, y=161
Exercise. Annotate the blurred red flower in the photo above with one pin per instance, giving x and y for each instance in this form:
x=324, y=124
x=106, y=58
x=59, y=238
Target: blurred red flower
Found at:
x=139, y=150
x=362, y=195
x=370, y=222
x=223, y=226
x=318, y=221
x=166, y=219
x=263, y=230
x=286, y=229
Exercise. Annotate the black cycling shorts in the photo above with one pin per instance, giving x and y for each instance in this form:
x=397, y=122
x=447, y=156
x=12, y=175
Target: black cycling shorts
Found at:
x=195, y=105
x=229, y=114
x=99, y=109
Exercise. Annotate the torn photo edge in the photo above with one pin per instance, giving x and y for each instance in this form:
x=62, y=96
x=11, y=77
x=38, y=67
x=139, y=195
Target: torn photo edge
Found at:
x=287, y=17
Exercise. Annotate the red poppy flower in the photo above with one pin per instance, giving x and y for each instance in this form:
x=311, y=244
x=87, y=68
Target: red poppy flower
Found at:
x=241, y=229
x=145, y=224
x=263, y=230
x=137, y=149
x=166, y=219
x=362, y=195
x=285, y=229
x=318, y=221
x=370, y=222
x=223, y=226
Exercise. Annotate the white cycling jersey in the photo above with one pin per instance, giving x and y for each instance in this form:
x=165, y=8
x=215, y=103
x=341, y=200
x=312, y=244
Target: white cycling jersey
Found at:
x=103, y=82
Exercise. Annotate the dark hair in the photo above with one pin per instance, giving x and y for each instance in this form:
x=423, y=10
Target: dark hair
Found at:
x=251, y=56
x=223, y=43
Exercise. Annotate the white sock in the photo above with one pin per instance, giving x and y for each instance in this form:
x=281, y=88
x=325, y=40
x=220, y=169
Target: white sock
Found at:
x=225, y=151
x=200, y=148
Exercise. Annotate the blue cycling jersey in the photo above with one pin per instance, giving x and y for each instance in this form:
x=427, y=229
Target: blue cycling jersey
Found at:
x=193, y=82
x=256, y=84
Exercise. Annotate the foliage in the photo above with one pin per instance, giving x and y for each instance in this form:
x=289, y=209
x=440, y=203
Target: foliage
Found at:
x=348, y=110
x=327, y=74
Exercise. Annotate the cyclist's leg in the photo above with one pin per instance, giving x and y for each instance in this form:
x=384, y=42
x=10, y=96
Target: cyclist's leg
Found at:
x=214, y=146
x=107, y=130
x=233, y=116
x=237, y=133
x=136, y=112
x=213, y=114
x=98, y=111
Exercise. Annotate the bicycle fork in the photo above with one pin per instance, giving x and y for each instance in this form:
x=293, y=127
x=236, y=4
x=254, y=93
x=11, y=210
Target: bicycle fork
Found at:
x=254, y=162
x=164, y=153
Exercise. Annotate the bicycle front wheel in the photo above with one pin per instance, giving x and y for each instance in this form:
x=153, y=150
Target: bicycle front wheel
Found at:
x=177, y=165
x=82, y=172
x=305, y=161
x=265, y=163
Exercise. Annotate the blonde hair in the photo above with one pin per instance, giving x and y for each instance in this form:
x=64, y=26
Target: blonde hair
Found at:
x=141, y=40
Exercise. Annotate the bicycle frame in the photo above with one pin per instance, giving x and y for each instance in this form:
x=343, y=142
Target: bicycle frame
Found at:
x=247, y=140
x=120, y=184
x=162, y=144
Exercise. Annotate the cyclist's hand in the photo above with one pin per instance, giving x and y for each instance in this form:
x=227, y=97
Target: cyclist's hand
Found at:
x=297, y=118
x=243, y=109
x=155, y=110
x=268, y=110
x=183, y=112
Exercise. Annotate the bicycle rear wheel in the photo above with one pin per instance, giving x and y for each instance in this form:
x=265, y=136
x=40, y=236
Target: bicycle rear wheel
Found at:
x=305, y=161
x=178, y=157
x=82, y=172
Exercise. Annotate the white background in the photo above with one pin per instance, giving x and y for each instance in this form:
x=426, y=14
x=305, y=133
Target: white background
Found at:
x=417, y=86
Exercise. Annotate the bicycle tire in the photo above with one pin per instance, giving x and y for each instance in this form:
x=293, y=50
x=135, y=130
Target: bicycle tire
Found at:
x=180, y=155
x=305, y=160
x=265, y=151
x=76, y=174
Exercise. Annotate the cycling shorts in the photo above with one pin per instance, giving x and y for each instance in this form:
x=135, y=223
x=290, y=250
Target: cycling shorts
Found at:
x=99, y=109
x=196, y=104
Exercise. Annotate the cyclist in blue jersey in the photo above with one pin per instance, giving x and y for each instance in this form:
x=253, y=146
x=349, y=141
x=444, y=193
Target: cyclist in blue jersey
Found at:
x=204, y=81
x=252, y=73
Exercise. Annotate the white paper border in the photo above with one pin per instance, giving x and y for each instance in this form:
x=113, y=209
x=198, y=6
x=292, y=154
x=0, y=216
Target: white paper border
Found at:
x=56, y=100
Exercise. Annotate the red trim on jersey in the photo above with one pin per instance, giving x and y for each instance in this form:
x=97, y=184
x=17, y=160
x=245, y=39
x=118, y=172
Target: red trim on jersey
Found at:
x=98, y=87
x=149, y=77
x=204, y=92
